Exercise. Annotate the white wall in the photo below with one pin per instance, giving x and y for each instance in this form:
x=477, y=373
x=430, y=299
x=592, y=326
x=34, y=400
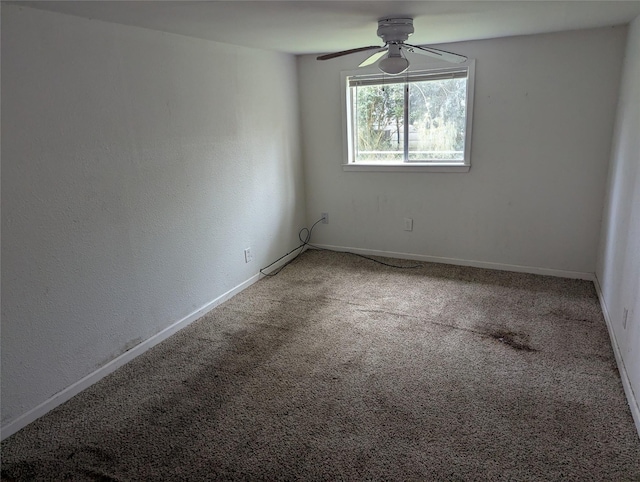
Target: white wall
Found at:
x=136, y=167
x=618, y=269
x=543, y=117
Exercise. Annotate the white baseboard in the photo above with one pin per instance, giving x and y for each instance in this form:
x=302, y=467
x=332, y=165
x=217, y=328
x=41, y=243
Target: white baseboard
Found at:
x=270, y=269
x=465, y=262
x=59, y=398
x=626, y=383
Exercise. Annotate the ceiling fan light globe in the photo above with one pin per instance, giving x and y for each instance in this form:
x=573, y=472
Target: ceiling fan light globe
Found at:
x=393, y=65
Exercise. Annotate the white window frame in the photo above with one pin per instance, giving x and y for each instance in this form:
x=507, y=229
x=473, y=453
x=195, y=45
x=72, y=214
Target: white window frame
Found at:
x=431, y=166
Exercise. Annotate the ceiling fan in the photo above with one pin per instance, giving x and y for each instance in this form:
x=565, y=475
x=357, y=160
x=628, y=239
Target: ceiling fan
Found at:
x=394, y=32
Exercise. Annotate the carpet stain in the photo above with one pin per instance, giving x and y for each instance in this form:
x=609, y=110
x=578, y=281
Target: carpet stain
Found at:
x=510, y=339
x=19, y=470
x=307, y=387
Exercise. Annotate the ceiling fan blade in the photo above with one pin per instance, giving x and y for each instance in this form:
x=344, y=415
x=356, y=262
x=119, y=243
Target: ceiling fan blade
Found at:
x=347, y=52
x=435, y=53
x=372, y=59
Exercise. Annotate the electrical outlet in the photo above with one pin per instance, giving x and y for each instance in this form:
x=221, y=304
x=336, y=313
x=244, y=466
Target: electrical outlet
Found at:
x=325, y=218
x=625, y=315
x=248, y=255
x=408, y=224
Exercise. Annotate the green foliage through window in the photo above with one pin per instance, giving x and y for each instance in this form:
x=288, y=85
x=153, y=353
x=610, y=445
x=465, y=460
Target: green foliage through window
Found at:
x=421, y=117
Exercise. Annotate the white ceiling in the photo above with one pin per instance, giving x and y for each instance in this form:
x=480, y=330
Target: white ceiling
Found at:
x=324, y=26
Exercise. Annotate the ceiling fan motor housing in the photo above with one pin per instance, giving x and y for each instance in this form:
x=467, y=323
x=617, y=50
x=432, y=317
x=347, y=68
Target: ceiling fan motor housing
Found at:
x=393, y=30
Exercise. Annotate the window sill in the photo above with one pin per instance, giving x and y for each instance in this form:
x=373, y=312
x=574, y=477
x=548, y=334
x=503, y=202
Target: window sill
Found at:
x=408, y=167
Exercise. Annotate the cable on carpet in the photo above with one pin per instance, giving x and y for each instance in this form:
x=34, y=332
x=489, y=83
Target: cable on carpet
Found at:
x=301, y=248
x=305, y=242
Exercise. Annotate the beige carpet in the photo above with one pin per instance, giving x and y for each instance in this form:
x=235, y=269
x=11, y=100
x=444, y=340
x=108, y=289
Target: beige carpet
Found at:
x=342, y=369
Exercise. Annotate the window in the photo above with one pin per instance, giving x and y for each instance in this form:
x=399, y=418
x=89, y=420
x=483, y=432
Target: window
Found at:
x=420, y=120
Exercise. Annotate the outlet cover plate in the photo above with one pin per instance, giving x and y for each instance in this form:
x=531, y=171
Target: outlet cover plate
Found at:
x=408, y=224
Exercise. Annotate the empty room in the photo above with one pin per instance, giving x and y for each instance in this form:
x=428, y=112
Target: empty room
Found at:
x=320, y=240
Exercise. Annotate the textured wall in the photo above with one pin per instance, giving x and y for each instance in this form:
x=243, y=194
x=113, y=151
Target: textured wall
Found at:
x=543, y=119
x=136, y=167
x=619, y=256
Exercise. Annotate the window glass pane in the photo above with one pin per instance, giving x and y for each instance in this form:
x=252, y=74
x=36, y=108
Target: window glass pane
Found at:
x=378, y=123
x=437, y=120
